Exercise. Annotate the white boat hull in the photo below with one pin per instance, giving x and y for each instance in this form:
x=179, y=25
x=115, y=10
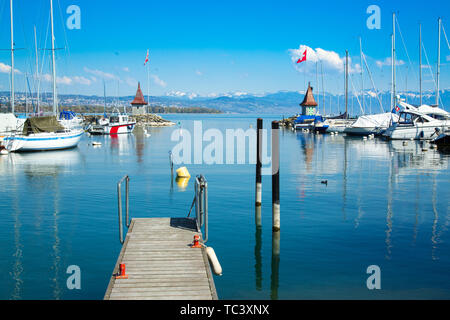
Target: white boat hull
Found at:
x=416, y=132
x=44, y=141
x=113, y=129
x=360, y=131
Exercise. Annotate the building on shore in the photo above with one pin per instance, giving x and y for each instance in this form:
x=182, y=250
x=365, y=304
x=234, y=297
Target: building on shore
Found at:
x=309, y=104
x=139, y=105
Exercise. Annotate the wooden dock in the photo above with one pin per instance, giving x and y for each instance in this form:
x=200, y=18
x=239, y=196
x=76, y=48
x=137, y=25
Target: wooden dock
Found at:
x=160, y=263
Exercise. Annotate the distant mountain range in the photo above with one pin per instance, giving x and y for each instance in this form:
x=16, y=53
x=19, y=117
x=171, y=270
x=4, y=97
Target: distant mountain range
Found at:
x=282, y=102
x=287, y=102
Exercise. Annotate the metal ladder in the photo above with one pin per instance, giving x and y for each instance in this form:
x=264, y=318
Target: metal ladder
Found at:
x=200, y=202
x=127, y=205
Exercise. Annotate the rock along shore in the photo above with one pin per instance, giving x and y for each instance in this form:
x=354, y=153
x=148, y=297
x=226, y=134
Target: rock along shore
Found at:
x=150, y=120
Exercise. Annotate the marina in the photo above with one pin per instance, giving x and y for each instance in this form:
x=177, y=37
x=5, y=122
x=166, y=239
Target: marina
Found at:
x=389, y=200
x=260, y=161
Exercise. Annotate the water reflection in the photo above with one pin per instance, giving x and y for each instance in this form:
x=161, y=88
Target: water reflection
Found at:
x=258, y=259
x=182, y=183
x=122, y=144
x=353, y=157
x=275, y=266
x=43, y=164
x=42, y=171
x=140, y=137
x=17, y=268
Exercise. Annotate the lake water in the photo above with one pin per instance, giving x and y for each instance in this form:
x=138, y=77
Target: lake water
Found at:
x=385, y=204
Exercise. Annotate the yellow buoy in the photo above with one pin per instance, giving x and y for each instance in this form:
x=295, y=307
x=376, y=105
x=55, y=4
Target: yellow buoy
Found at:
x=183, y=173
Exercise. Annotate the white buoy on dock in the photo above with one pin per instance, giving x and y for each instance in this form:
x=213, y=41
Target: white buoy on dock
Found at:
x=213, y=261
x=4, y=152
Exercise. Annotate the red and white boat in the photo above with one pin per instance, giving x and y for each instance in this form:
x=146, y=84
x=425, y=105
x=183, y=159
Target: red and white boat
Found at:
x=117, y=123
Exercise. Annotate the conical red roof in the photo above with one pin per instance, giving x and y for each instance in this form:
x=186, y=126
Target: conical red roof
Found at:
x=309, y=100
x=139, y=100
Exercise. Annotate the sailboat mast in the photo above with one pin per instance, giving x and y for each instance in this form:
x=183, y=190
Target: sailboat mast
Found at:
x=317, y=82
x=26, y=94
x=323, y=87
x=148, y=84
x=55, y=98
x=420, y=62
x=12, y=59
x=438, y=62
x=393, y=62
x=362, y=77
x=37, y=72
x=346, y=84
x=104, y=97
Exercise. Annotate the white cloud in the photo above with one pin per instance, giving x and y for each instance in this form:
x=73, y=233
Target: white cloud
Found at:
x=198, y=72
x=126, y=69
x=158, y=81
x=59, y=80
x=101, y=74
x=65, y=80
x=4, y=68
x=330, y=61
x=388, y=62
x=82, y=80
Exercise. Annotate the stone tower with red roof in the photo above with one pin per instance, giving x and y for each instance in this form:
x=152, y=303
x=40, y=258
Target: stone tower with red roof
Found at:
x=139, y=104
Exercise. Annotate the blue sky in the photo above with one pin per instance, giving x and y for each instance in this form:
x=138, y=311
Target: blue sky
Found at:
x=211, y=47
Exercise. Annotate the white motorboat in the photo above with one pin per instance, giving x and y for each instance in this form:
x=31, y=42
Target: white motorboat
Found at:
x=70, y=120
x=371, y=124
x=117, y=123
x=419, y=123
x=338, y=125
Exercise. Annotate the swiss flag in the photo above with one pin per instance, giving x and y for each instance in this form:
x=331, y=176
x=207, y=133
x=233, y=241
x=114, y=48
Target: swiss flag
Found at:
x=303, y=58
x=146, y=59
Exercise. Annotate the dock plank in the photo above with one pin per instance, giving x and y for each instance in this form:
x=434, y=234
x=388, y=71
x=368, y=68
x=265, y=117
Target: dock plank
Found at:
x=160, y=263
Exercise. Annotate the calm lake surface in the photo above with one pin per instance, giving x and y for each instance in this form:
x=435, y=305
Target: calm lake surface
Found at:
x=385, y=204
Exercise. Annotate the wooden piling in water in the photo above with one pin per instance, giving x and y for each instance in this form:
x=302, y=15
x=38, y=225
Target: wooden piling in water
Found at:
x=275, y=176
x=258, y=186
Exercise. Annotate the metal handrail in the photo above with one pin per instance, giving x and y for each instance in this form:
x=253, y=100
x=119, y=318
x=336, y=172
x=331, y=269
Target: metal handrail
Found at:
x=201, y=205
x=127, y=206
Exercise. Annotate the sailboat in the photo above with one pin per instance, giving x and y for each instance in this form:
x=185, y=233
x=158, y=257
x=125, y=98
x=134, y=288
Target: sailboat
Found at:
x=377, y=123
x=8, y=121
x=423, y=122
x=44, y=133
x=341, y=122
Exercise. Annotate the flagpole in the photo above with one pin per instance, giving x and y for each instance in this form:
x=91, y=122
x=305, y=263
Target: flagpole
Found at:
x=148, y=85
